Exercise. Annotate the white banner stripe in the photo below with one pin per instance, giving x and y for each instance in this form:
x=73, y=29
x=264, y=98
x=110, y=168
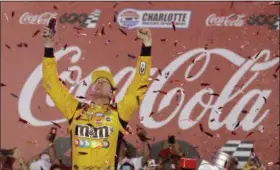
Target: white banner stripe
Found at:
x=245, y=145
x=242, y=153
x=228, y=149
x=233, y=142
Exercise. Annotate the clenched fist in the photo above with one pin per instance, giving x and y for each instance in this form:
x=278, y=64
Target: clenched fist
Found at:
x=145, y=35
x=48, y=37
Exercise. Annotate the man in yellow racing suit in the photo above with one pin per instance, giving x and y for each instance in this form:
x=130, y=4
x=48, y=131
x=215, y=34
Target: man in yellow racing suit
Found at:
x=96, y=128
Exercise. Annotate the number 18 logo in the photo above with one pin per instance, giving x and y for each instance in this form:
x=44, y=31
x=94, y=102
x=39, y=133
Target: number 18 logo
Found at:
x=142, y=67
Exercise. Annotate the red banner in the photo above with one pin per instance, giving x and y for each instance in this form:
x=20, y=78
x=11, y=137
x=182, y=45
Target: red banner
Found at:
x=215, y=66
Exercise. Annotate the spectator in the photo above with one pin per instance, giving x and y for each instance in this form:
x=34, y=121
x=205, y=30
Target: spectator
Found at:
x=44, y=162
x=9, y=156
x=133, y=162
x=48, y=159
x=253, y=163
x=171, y=154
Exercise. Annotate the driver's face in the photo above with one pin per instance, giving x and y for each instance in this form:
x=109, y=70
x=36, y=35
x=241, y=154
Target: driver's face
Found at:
x=102, y=88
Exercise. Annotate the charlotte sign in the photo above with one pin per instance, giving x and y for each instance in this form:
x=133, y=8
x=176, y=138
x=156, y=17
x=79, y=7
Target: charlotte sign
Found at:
x=255, y=65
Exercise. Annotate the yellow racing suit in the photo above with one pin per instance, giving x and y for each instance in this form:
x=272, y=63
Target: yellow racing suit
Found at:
x=95, y=130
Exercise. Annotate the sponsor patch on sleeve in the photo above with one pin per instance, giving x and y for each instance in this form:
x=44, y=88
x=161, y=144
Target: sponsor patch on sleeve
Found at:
x=142, y=69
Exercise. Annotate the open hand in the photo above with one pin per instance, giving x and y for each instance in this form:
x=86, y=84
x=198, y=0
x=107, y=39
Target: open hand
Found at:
x=145, y=35
x=48, y=37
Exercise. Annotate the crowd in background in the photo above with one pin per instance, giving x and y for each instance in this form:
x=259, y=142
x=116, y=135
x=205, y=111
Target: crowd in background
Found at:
x=170, y=157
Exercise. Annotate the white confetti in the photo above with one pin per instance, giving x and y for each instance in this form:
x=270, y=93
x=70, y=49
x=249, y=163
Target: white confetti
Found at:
x=6, y=17
x=270, y=163
x=261, y=128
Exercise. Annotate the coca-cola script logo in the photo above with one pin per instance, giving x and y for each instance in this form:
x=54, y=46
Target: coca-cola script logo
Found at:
x=29, y=18
x=255, y=65
x=233, y=20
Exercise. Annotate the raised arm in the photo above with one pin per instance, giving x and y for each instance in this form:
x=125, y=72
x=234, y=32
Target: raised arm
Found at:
x=139, y=85
x=59, y=94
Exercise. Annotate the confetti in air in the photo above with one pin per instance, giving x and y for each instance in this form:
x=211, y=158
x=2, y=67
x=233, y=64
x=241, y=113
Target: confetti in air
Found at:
x=122, y=31
x=56, y=124
x=160, y=91
x=175, y=43
x=115, y=16
x=83, y=153
x=173, y=26
x=151, y=114
x=103, y=30
x=131, y=56
x=36, y=33
x=217, y=68
x=237, y=124
x=201, y=128
x=209, y=134
x=14, y=95
x=78, y=117
x=8, y=46
x=115, y=5
x=244, y=111
x=249, y=134
x=80, y=97
x=265, y=100
x=214, y=94
x=63, y=82
x=84, y=83
x=204, y=84
x=22, y=45
x=65, y=46
x=23, y=121
x=90, y=125
x=159, y=72
x=107, y=42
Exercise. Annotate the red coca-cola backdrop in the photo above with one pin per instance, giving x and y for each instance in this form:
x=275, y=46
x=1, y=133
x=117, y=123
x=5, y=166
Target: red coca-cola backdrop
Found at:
x=215, y=67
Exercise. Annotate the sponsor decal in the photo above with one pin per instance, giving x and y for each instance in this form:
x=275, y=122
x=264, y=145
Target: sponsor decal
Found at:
x=273, y=21
x=98, y=121
x=30, y=18
x=108, y=119
x=142, y=67
x=232, y=20
x=84, y=20
x=131, y=18
x=99, y=114
x=235, y=100
x=83, y=143
x=93, y=132
x=63, y=141
x=239, y=20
